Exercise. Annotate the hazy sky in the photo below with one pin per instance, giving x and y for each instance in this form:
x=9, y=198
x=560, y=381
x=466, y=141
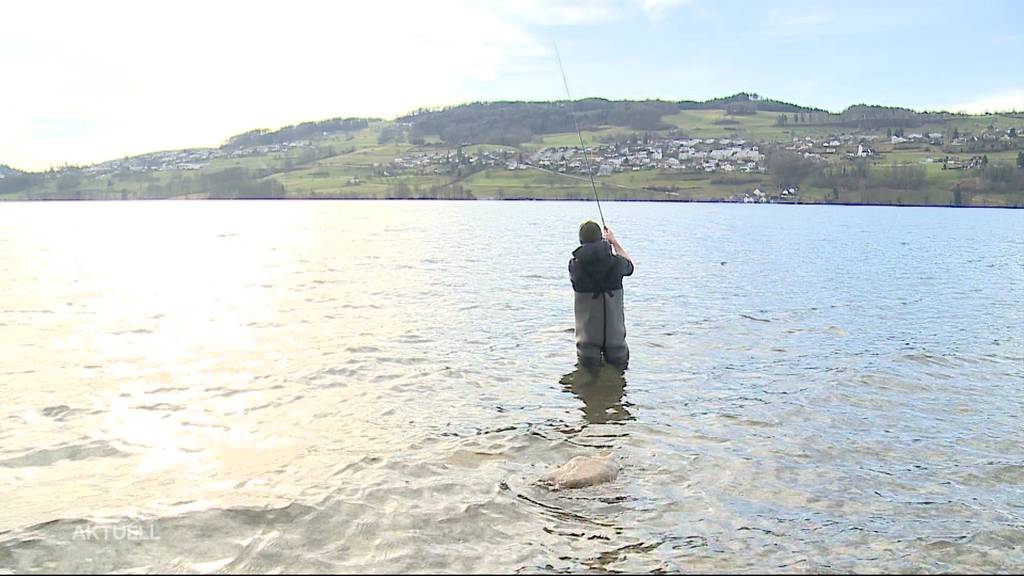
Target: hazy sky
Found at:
x=90, y=81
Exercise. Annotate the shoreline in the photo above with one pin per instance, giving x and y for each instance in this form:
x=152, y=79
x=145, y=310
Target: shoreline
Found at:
x=638, y=200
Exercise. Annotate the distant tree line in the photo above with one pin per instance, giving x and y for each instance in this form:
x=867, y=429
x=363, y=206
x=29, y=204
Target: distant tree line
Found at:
x=14, y=181
x=392, y=133
x=1003, y=177
x=512, y=123
x=867, y=117
x=231, y=183
x=809, y=118
x=992, y=178
x=402, y=191
x=903, y=177
x=745, y=103
x=789, y=169
x=304, y=131
x=237, y=182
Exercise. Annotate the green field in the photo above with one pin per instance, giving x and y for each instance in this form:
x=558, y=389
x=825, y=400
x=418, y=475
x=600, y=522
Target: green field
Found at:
x=756, y=127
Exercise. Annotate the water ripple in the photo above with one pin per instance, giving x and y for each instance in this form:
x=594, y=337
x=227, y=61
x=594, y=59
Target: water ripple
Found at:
x=335, y=396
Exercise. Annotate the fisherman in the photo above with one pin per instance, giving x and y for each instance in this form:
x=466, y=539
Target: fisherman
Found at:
x=596, y=270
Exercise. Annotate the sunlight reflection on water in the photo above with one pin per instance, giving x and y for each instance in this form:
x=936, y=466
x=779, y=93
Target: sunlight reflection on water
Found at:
x=371, y=386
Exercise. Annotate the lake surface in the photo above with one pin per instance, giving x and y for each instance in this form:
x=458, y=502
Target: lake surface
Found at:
x=376, y=386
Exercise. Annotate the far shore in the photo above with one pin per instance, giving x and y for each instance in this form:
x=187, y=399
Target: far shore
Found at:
x=615, y=201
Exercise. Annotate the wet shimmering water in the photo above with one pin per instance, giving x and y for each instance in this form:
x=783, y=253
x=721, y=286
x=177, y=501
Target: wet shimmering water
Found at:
x=375, y=387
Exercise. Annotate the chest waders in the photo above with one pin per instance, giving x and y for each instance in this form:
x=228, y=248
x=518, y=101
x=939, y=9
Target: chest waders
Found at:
x=611, y=344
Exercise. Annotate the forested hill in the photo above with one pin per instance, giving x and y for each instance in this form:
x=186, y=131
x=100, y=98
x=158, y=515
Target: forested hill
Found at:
x=303, y=131
x=745, y=103
x=513, y=123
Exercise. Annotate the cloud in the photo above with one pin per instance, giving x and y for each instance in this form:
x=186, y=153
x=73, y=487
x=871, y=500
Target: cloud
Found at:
x=815, y=19
x=557, y=12
x=658, y=8
x=86, y=82
x=1003, y=101
x=108, y=79
x=786, y=25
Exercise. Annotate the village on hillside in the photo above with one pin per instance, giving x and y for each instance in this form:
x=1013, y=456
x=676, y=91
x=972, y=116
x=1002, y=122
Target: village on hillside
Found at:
x=187, y=160
x=683, y=154
x=651, y=153
x=747, y=163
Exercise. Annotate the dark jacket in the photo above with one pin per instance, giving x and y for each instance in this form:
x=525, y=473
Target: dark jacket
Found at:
x=596, y=275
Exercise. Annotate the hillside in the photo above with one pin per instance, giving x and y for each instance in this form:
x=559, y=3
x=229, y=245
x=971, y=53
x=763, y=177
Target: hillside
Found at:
x=741, y=148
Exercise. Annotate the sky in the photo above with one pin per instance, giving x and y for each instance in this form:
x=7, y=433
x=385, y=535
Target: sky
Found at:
x=84, y=82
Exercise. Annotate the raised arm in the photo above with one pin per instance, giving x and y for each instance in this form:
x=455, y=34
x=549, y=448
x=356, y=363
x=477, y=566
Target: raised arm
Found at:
x=616, y=247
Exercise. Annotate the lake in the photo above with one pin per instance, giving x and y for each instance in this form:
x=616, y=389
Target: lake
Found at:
x=376, y=386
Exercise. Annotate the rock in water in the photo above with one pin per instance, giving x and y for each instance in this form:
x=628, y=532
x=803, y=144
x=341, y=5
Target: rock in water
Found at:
x=582, y=471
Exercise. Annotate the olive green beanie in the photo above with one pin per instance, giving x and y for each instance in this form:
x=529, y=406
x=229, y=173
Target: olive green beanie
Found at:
x=589, y=232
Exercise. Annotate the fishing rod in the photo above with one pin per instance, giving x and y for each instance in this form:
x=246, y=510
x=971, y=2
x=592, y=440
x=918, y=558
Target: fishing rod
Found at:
x=586, y=159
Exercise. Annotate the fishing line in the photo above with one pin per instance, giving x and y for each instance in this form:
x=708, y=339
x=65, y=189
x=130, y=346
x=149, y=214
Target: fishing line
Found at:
x=586, y=159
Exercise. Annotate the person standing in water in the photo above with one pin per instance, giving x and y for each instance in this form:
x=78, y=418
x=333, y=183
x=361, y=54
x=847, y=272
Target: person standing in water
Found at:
x=596, y=270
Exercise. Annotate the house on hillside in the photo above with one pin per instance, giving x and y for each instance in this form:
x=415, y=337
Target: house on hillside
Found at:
x=747, y=155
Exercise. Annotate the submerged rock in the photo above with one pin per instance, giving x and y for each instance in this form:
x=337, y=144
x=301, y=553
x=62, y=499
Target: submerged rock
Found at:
x=582, y=471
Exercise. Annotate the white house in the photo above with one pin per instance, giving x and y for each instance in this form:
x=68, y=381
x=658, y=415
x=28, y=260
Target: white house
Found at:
x=721, y=154
x=747, y=155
